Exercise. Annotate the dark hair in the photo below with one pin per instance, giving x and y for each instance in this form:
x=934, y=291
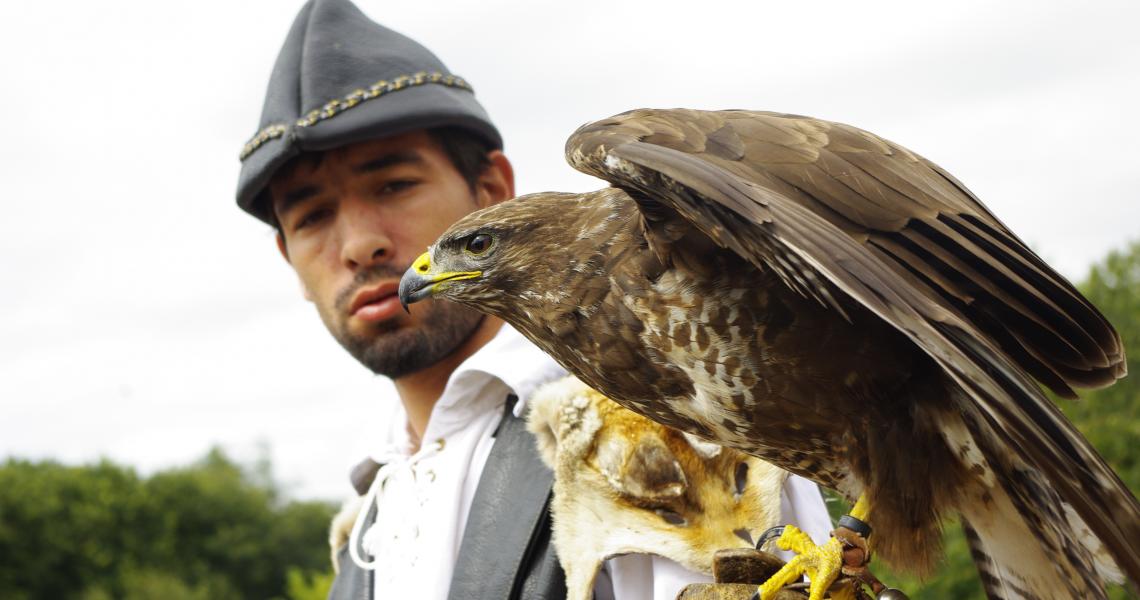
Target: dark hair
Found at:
x=466, y=151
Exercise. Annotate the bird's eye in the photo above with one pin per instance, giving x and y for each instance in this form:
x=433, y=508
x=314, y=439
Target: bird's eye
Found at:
x=479, y=243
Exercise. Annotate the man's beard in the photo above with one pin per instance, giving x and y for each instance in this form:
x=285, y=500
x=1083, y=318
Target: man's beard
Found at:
x=393, y=352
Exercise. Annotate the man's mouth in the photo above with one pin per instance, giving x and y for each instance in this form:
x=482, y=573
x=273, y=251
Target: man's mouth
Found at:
x=376, y=303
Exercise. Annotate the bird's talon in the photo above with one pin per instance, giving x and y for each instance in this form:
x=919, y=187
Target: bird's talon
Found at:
x=821, y=563
x=770, y=534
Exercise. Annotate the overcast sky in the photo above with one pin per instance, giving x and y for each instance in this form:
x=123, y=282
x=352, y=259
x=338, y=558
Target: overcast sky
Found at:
x=143, y=317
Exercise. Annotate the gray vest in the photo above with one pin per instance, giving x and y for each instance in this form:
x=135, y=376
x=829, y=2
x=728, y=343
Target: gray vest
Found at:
x=506, y=551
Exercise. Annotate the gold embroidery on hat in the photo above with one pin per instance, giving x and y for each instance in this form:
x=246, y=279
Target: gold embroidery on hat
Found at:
x=338, y=105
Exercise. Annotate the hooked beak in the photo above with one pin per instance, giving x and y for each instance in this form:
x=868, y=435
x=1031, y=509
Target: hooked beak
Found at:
x=420, y=282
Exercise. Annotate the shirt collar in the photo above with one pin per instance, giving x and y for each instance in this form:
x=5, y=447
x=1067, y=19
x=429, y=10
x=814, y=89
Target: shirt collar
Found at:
x=507, y=364
x=508, y=358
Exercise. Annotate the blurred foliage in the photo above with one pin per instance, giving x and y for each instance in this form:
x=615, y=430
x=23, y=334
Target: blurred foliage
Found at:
x=1109, y=418
x=307, y=585
x=212, y=530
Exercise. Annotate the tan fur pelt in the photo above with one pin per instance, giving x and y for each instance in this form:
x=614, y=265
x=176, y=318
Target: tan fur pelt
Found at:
x=341, y=527
x=624, y=484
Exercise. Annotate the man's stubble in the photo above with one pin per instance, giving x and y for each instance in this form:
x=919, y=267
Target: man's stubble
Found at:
x=394, y=351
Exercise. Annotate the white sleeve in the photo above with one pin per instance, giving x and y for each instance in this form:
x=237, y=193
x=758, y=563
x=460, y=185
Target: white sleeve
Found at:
x=644, y=577
x=801, y=504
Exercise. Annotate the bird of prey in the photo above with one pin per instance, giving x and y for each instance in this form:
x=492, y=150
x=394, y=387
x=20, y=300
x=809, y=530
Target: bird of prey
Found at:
x=831, y=302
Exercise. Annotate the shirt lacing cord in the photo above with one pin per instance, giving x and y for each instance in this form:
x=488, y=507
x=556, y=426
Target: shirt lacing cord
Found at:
x=394, y=464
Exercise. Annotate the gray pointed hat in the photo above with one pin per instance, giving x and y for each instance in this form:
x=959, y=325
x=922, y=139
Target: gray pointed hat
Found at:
x=342, y=78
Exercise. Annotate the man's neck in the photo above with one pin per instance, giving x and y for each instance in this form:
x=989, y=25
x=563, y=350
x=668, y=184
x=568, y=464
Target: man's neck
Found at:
x=420, y=391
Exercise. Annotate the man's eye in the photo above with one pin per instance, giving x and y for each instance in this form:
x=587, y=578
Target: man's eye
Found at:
x=312, y=218
x=397, y=186
x=479, y=243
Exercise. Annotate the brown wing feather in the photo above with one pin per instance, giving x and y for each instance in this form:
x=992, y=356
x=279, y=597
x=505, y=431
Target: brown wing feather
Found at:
x=908, y=209
x=779, y=217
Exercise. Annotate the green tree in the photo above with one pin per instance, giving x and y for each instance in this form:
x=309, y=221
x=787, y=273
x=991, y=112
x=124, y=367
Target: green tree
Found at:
x=63, y=528
x=155, y=584
x=302, y=585
x=213, y=521
x=210, y=530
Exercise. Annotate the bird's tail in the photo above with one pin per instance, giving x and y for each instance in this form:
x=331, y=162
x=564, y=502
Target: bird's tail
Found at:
x=1026, y=541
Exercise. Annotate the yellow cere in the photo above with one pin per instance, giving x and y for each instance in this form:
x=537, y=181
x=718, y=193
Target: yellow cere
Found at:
x=422, y=264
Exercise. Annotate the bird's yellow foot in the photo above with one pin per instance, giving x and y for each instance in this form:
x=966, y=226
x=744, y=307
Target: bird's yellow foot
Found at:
x=820, y=563
x=845, y=553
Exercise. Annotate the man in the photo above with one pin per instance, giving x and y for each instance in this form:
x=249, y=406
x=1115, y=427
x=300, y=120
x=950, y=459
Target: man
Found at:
x=368, y=148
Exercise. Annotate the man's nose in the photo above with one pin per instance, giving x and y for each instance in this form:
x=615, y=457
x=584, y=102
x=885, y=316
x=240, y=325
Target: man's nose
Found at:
x=366, y=241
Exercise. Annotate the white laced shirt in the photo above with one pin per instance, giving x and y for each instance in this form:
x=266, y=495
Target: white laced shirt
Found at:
x=423, y=498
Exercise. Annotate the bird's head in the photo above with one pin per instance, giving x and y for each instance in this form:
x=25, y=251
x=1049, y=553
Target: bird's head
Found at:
x=458, y=266
x=522, y=256
x=488, y=257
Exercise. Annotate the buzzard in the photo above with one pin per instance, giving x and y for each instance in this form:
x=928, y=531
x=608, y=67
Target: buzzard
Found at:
x=826, y=300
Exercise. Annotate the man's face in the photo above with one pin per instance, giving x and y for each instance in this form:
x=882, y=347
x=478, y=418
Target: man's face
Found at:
x=352, y=221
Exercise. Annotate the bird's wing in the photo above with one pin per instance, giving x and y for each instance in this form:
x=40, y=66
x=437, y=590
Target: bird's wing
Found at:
x=835, y=210
x=925, y=224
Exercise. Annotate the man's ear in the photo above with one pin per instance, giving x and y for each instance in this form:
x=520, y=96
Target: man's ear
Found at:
x=497, y=182
x=281, y=247
x=285, y=254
